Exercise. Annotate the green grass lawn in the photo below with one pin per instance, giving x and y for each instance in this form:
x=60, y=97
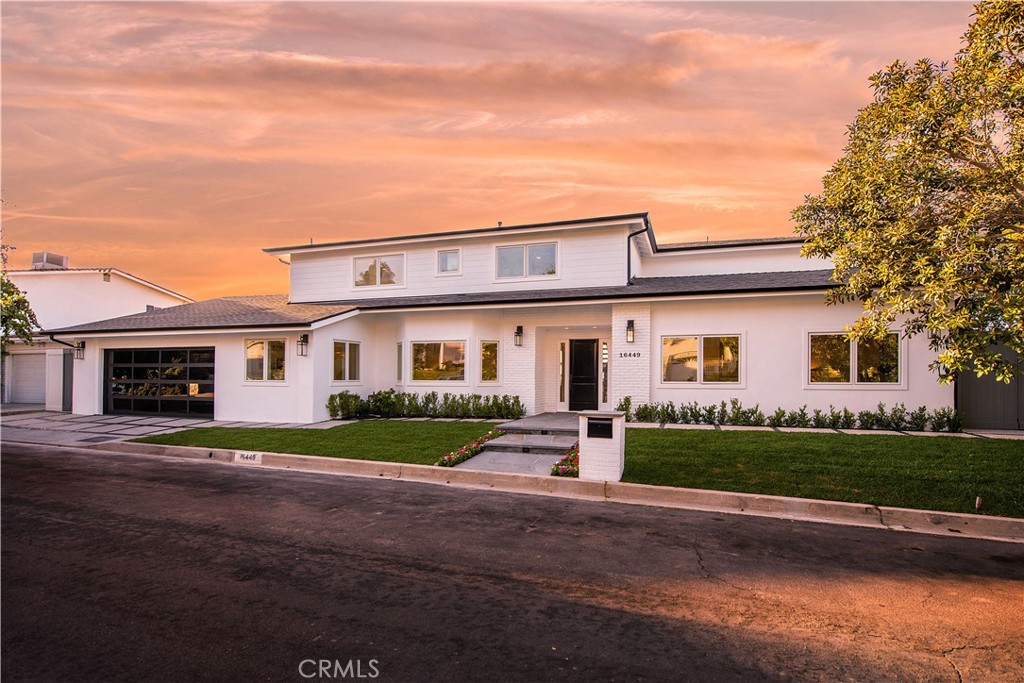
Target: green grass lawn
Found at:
x=421, y=443
x=931, y=473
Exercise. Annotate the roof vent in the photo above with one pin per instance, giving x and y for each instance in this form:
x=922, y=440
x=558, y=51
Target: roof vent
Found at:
x=44, y=260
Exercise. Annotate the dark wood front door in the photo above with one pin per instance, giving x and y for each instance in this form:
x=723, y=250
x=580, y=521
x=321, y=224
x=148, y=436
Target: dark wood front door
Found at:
x=583, y=374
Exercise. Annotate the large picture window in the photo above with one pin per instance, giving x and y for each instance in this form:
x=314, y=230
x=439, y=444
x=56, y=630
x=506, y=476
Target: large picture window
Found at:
x=700, y=359
x=379, y=271
x=527, y=260
x=264, y=360
x=834, y=356
x=439, y=361
x=346, y=361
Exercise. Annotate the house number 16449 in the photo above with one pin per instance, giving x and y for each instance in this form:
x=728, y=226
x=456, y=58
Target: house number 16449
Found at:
x=629, y=354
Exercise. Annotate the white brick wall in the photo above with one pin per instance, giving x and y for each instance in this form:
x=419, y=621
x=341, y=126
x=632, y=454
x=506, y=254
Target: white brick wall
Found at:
x=631, y=375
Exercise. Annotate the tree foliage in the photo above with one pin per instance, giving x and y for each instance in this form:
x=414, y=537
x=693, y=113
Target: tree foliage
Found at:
x=923, y=216
x=16, y=317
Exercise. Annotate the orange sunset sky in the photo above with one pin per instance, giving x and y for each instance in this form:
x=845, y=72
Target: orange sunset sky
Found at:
x=176, y=140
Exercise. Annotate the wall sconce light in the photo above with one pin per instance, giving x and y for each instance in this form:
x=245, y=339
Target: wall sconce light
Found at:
x=518, y=337
x=629, y=331
x=303, y=345
x=80, y=350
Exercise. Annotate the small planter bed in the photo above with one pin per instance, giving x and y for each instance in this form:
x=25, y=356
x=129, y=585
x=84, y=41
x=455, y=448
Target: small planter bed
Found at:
x=466, y=452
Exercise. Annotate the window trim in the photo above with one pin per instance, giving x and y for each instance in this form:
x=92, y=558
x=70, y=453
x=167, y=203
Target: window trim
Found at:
x=378, y=257
x=441, y=382
x=700, y=382
x=346, y=381
x=497, y=362
x=526, y=277
x=854, y=384
x=265, y=380
x=437, y=262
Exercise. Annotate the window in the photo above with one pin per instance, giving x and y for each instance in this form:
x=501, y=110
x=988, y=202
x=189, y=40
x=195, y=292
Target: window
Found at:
x=527, y=260
x=605, y=355
x=346, y=361
x=834, y=355
x=489, y=361
x=710, y=359
x=264, y=360
x=398, y=359
x=449, y=262
x=439, y=361
x=379, y=271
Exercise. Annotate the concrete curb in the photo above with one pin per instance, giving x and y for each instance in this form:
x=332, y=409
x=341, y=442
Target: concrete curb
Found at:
x=1006, y=529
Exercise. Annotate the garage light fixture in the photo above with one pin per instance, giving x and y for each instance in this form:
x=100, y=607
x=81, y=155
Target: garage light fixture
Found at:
x=80, y=350
x=629, y=331
x=303, y=347
x=517, y=338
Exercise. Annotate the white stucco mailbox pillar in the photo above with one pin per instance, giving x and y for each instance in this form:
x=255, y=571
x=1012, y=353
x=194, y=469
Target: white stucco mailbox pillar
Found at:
x=602, y=445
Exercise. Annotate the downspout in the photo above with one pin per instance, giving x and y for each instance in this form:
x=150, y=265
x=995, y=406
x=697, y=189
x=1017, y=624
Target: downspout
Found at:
x=629, y=254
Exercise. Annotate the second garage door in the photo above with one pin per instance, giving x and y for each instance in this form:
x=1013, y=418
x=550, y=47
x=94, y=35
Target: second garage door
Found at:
x=28, y=378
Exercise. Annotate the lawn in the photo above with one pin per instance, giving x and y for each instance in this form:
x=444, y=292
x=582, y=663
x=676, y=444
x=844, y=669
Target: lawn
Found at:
x=933, y=473
x=421, y=443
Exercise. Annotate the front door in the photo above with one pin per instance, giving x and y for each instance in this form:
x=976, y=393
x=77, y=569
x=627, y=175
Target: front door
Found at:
x=583, y=374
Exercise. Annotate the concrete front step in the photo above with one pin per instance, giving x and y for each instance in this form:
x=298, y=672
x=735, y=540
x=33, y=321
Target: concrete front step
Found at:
x=553, y=424
x=532, y=443
x=511, y=462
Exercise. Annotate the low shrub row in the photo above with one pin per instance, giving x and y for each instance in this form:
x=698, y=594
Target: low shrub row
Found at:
x=897, y=418
x=569, y=466
x=347, y=405
x=469, y=450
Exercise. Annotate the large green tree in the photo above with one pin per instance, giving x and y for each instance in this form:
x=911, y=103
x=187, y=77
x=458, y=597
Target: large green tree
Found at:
x=923, y=216
x=16, y=317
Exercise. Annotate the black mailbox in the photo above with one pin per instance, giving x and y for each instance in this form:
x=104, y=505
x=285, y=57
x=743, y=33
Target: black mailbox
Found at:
x=599, y=428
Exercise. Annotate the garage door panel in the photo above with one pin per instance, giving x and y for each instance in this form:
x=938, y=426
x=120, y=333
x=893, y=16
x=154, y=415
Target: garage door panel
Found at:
x=28, y=378
x=160, y=381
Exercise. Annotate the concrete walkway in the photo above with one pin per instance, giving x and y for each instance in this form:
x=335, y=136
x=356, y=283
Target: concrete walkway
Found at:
x=66, y=429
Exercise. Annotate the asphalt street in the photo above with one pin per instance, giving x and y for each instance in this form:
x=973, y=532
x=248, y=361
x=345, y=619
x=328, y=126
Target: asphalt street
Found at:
x=136, y=568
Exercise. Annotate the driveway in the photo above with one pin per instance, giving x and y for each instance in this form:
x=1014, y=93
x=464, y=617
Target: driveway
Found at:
x=69, y=430
x=134, y=568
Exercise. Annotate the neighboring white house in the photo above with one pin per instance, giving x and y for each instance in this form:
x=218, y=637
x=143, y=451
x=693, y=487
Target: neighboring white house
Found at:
x=567, y=315
x=60, y=296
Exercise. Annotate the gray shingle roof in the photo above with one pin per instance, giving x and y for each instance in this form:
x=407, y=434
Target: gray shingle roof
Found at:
x=271, y=310
x=275, y=311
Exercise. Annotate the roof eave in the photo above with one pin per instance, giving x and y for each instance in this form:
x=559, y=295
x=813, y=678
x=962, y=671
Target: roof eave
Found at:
x=596, y=221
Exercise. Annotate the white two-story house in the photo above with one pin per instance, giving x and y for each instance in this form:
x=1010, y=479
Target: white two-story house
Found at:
x=568, y=315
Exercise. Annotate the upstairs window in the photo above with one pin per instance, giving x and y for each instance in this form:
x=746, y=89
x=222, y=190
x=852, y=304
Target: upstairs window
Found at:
x=379, y=271
x=449, y=262
x=264, y=360
x=527, y=260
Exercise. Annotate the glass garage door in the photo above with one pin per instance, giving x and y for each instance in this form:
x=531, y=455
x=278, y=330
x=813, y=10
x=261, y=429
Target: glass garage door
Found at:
x=175, y=381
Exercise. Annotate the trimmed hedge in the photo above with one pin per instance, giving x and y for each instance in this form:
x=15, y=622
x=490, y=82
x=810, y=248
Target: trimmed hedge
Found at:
x=898, y=418
x=347, y=405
